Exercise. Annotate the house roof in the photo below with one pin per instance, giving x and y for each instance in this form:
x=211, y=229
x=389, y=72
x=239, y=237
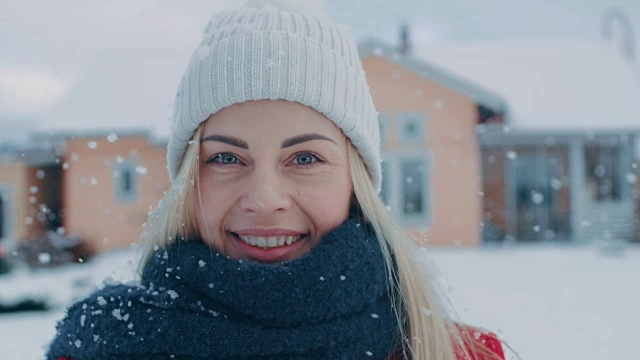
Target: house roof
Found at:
x=31, y=155
x=550, y=85
x=444, y=77
x=126, y=90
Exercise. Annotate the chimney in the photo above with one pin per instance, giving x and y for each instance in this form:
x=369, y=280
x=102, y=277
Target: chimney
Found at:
x=404, y=47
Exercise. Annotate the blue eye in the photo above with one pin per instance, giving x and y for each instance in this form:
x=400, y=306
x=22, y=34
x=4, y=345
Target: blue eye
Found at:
x=226, y=158
x=306, y=159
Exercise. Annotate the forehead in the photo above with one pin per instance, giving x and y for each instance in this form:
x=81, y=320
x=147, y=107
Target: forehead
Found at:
x=270, y=117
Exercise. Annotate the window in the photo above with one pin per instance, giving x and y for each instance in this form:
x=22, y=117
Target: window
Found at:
x=406, y=188
x=413, y=185
x=125, y=181
x=412, y=127
x=414, y=190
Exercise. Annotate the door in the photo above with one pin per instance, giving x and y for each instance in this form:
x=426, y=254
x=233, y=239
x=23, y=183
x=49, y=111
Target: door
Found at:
x=542, y=194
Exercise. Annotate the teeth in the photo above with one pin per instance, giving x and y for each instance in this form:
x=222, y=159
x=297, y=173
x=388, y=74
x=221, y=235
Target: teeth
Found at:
x=273, y=241
x=262, y=241
x=269, y=241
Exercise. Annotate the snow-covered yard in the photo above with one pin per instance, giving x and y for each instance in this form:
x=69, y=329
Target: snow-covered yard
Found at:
x=547, y=302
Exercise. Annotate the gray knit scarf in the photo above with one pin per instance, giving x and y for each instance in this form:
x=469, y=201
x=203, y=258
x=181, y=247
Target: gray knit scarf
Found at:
x=193, y=303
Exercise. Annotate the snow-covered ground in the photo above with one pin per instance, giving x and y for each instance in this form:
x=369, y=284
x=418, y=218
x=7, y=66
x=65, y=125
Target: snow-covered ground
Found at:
x=547, y=302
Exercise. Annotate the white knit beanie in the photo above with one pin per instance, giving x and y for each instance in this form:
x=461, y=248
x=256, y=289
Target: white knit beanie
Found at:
x=267, y=52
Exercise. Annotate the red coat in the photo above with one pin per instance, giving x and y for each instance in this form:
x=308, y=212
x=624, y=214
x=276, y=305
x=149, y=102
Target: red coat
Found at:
x=484, y=340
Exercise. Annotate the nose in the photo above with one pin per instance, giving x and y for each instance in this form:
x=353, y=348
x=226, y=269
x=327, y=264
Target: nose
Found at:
x=265, y=194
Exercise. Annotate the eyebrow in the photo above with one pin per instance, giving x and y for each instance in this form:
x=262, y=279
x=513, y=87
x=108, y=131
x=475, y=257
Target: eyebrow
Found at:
x=303, y=138
x=287, y=143
x=227, y=140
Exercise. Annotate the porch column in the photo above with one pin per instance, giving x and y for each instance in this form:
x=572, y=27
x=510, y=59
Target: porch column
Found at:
x=625, y=169
x=511, y=214
x=576, y=175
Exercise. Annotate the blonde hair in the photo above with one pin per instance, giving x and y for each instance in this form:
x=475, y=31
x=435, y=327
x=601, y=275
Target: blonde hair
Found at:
x=426, y=330
x=174, y=217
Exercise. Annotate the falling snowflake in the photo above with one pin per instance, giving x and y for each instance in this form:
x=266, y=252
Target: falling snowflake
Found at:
x=112, y=137
x=44, y=258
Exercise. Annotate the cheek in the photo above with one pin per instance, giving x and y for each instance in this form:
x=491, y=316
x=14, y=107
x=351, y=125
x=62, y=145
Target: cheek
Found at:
x=210, y=212
x=329, y=208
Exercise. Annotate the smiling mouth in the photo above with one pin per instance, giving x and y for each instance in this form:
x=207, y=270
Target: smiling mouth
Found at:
x=268, y=242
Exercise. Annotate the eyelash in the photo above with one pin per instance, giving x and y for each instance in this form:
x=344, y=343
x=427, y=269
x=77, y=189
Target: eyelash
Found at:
x=216, y=159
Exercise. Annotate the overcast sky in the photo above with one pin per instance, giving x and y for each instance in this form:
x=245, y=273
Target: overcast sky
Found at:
x=45, y=46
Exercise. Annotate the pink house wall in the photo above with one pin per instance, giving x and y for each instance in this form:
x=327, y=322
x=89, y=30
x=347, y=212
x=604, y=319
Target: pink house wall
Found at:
x=451, y=142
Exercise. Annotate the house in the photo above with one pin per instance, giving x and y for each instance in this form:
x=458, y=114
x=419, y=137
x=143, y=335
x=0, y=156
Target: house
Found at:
x=565, y=168
x=99, y=186
x=431, y=155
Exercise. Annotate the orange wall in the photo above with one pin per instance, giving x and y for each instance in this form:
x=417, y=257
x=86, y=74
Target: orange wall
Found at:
x=24, y=207
x=454, y=151
x=91, y=207
x=494, y=185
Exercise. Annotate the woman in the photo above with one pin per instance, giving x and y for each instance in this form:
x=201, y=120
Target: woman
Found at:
x=272, y=242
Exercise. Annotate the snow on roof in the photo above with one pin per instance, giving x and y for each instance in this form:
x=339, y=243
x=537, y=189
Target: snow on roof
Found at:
x=121, y=90
x=374, y=47
x=558, y=84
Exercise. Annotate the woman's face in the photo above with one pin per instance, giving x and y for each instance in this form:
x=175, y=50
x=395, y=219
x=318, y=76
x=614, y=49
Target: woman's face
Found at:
x=273, y=180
